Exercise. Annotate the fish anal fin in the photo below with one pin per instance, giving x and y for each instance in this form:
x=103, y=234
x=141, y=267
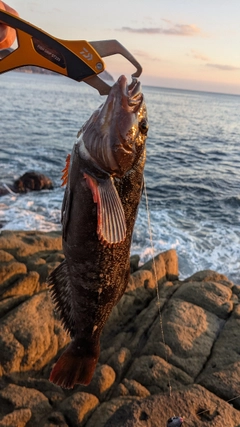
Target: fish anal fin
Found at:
x=60, y=289
x=65, y=171
x=111, y=222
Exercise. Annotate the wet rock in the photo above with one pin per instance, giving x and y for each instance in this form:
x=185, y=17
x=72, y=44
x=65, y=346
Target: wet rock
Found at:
x=32, y=181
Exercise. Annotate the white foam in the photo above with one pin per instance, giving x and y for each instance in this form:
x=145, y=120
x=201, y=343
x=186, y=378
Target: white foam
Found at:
x=199, y=245
x=203, y=245
x=31, y=211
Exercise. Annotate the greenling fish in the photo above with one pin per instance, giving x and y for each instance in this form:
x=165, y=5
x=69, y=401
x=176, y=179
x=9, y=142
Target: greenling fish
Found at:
x=104, y=177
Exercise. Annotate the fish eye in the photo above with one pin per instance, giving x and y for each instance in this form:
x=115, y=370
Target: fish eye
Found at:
x=143, y=126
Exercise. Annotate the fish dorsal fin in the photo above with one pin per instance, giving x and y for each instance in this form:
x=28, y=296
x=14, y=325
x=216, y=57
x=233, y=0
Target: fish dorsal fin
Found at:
x=111, y=223
x=65, y=171
x=60, y=289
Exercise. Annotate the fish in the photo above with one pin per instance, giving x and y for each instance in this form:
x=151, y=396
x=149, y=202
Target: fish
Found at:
x=175, y=422
x=104, y=182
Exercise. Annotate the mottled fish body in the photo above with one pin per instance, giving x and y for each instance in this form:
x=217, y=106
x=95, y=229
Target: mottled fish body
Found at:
x=104, y=185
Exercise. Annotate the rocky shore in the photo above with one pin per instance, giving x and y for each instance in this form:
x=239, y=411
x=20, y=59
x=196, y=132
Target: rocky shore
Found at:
x=199, y=362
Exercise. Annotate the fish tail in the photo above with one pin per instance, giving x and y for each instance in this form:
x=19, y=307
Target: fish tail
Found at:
x=76, y=365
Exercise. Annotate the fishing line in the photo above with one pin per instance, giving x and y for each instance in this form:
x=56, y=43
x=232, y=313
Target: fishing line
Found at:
x=227, y=401
x=158, y=295
x=156, y=281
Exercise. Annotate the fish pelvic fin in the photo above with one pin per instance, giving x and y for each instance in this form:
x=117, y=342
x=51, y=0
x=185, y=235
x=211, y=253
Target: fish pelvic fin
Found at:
x=76, y=365
x=60, y=289
x=65, y=171
x=111, y=222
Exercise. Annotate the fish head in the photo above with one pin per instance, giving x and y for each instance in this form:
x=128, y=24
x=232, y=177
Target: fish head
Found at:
x=115, y=134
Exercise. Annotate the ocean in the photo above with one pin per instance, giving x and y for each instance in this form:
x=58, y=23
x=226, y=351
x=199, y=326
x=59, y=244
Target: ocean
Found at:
x=192, y=171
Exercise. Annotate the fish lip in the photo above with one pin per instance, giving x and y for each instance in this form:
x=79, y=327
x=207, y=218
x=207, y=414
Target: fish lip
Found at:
x=131, y=94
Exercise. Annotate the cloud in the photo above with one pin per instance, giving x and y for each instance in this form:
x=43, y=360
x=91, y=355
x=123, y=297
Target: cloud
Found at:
x=223, y=67
x=173, y=30
x=197, y=55
x=145, y=55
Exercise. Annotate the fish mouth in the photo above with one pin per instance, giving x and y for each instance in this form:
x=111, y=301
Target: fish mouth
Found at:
x=132, y=96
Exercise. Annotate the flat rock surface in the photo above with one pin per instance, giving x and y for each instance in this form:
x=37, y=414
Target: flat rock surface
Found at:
x=179, y=355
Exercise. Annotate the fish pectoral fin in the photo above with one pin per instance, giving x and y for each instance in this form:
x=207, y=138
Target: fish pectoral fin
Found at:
x=65, y=171
x=60, y=289
x=111, y=222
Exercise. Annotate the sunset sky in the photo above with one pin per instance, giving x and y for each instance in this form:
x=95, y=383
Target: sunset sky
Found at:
x=190, y=44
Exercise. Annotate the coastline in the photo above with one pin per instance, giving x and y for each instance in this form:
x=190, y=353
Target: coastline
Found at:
x=201, y=358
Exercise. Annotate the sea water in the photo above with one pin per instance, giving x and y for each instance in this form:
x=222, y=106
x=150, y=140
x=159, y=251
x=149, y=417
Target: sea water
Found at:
x=192, y=171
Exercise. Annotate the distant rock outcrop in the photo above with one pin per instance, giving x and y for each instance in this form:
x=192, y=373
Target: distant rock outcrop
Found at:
x=29, y=181
x=130, y=388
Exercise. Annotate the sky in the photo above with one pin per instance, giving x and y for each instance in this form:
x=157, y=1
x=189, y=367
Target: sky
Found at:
x=185, y=44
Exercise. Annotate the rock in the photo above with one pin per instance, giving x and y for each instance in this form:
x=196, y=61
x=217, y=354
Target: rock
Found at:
x=154, y=373
x=134, y=261
x=22, y=397
x=141, y=279
x=78, y=407
x=9, y=303
x=10, y=272
x=106, y=410
x=102, y=381
x=54, y=419
x=165, y=265
x=222, y=371
x=189, y=333
x=5, y=256
x=211, y=296
x=120, y=360
x=26, y=285
x=131, y=388
x=27, y=336
x=24, y=244
x=209, y=276
x=190, y=347
x=199, y=407
x=29, y=181
x=32, y=181
x=18, y=418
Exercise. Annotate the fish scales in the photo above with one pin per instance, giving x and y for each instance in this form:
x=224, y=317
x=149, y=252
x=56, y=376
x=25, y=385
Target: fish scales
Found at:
x=98, y=215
